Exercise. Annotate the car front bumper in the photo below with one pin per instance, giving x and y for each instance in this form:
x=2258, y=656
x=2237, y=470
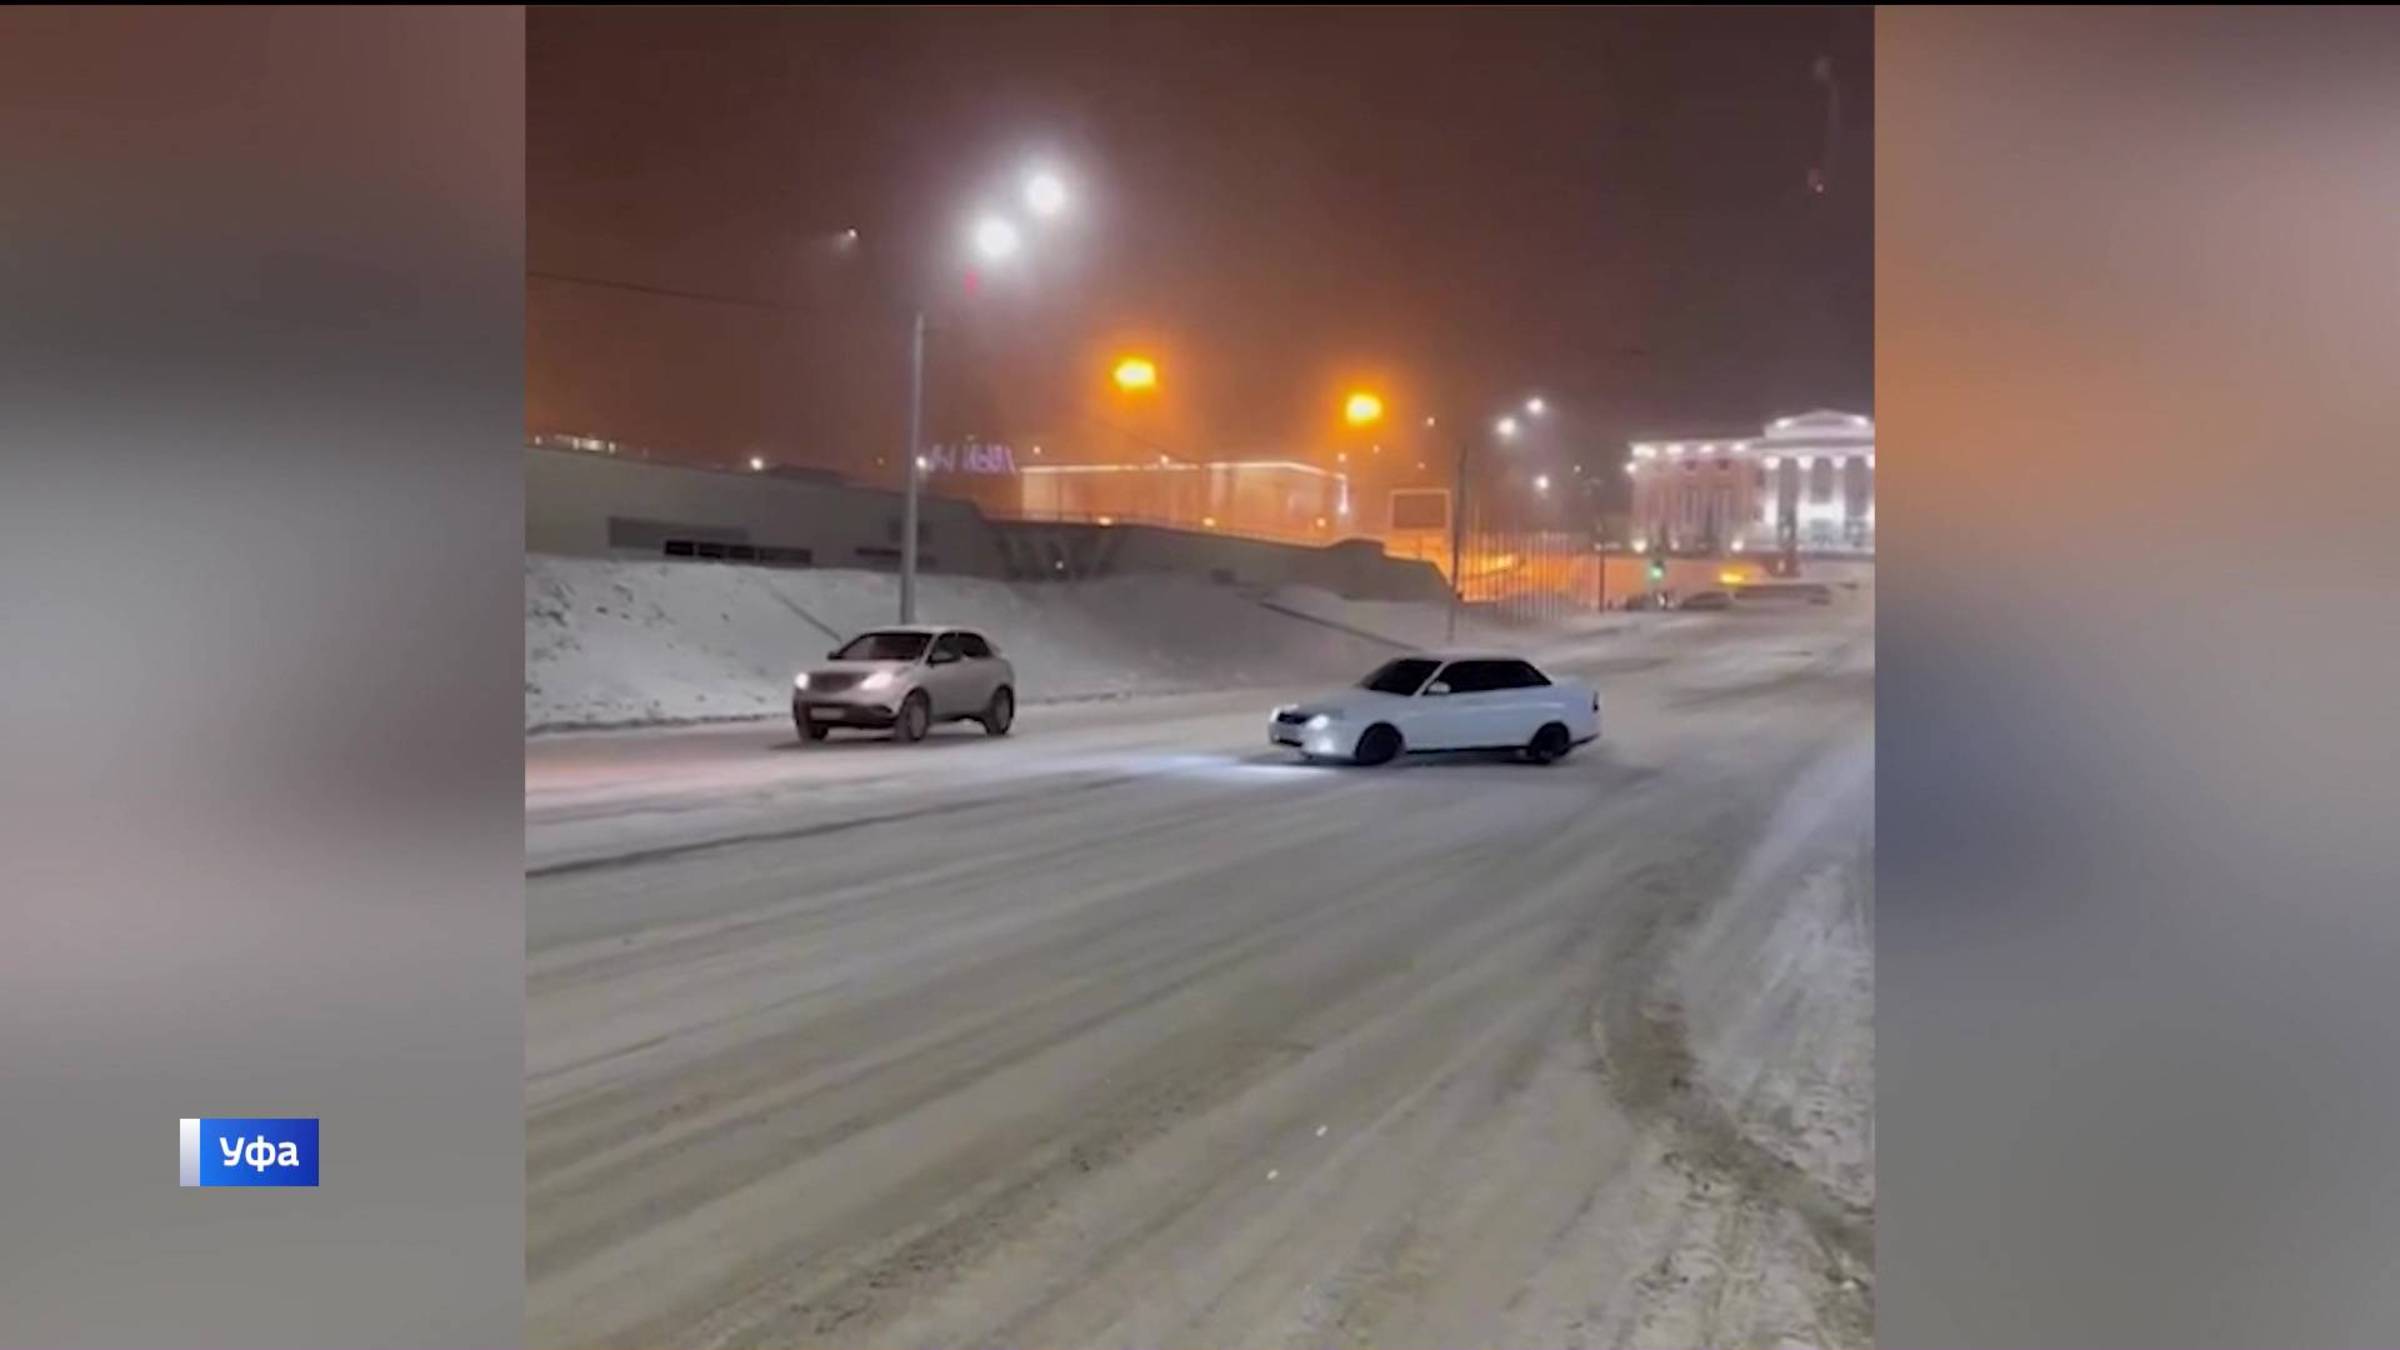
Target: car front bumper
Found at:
x=1331, y=741
x=836, y=710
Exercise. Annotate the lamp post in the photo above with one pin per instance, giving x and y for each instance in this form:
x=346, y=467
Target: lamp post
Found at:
x=913, y=468
x=994, y=238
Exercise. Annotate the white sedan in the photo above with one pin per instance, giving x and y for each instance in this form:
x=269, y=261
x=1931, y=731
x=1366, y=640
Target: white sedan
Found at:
x=1439, y=702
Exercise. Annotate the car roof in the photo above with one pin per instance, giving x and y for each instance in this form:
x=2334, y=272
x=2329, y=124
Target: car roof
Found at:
x=930, y=628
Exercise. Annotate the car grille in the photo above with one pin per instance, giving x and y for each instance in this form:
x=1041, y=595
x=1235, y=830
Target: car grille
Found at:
x=1290, y=718
x=831, y=682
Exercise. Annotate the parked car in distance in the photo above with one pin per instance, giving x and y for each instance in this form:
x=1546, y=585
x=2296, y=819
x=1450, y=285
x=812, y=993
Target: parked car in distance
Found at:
x=1785, y=592
x=905, y=679
x=1439, y=702
x=1706, y=600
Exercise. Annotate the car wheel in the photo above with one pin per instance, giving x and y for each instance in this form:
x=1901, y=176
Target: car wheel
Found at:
x=1549, y=745
x=809, y=731
x=1380, y=745
x=916, y=716
x=1002, y=714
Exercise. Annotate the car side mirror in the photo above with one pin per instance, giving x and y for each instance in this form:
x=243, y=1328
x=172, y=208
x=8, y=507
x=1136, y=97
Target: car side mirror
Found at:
x=1437, y=688
x=834, y=655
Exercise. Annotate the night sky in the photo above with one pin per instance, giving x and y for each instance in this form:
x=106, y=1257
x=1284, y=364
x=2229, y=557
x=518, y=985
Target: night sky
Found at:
x=1454, y=207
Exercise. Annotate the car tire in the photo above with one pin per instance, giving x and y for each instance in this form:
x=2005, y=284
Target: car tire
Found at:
x=915, y=719
x=1379, y=744
x=1549, y=745
x=809, y=731
x=1002, y=714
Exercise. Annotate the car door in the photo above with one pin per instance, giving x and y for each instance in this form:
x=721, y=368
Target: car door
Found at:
x=1523, y=702
x=981, y=670
x=947, y=679
x=1451, y=720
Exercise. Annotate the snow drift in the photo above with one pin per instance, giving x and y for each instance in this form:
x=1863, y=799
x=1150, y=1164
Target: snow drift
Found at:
x=618, y=643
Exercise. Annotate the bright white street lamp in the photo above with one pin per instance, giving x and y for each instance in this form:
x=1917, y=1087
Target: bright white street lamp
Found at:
x=1507, y=427
x=995, y=238
x=1536, y=407
x=1045, y=194
x=1541, y=482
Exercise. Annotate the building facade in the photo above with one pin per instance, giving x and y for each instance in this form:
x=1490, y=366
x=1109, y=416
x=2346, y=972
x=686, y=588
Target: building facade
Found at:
x=1262, y=499
x=1805, y=482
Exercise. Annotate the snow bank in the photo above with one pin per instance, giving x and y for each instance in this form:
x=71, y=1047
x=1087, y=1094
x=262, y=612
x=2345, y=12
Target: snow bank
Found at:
x=612, y=643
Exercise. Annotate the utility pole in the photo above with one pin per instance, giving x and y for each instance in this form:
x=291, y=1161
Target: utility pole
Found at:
x=909, y=468
x=1458, y=515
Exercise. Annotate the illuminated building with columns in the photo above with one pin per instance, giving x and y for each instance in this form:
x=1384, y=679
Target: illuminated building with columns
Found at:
x=1808, y=479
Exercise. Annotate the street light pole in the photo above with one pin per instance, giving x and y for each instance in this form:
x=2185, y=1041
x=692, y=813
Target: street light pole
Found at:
x=1458, y=515
x=910, y=469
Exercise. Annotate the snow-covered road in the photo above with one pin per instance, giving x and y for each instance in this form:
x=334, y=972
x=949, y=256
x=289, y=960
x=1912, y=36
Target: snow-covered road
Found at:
x=1127, y=1030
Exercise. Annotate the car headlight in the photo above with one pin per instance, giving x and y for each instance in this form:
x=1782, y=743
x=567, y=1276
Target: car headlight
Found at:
x=1320, y=721
x=881, y=679
x=800, y=681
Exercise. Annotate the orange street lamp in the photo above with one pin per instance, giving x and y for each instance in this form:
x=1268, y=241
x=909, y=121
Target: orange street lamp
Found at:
x=1362, y=409
x=1136, y=375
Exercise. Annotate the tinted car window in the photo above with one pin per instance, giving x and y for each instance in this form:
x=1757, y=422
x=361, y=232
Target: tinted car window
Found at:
x=882, y=647
x=947, y=647
x=1403, y=676
x=974, y=646
x=1475, y=677
x=1521, y=675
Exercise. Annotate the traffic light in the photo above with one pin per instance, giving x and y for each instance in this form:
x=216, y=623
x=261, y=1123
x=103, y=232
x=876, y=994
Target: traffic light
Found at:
x=1658, y=569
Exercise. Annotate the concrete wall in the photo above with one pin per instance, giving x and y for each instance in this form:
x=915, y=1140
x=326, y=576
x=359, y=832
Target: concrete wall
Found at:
x=575, y=502
x=579, y=504
x=1358, y=569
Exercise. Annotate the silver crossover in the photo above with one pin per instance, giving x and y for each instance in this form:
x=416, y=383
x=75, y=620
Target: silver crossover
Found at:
x=905, y=679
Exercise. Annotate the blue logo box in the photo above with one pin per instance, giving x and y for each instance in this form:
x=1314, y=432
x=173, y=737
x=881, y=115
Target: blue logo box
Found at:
x=249, y=1151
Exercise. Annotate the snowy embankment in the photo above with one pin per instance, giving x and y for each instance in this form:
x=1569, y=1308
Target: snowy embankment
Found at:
x=612, y=643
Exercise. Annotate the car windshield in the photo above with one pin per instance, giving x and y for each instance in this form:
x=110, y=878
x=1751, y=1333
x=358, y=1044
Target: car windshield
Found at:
x=1403, y=676
x=883, y=647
